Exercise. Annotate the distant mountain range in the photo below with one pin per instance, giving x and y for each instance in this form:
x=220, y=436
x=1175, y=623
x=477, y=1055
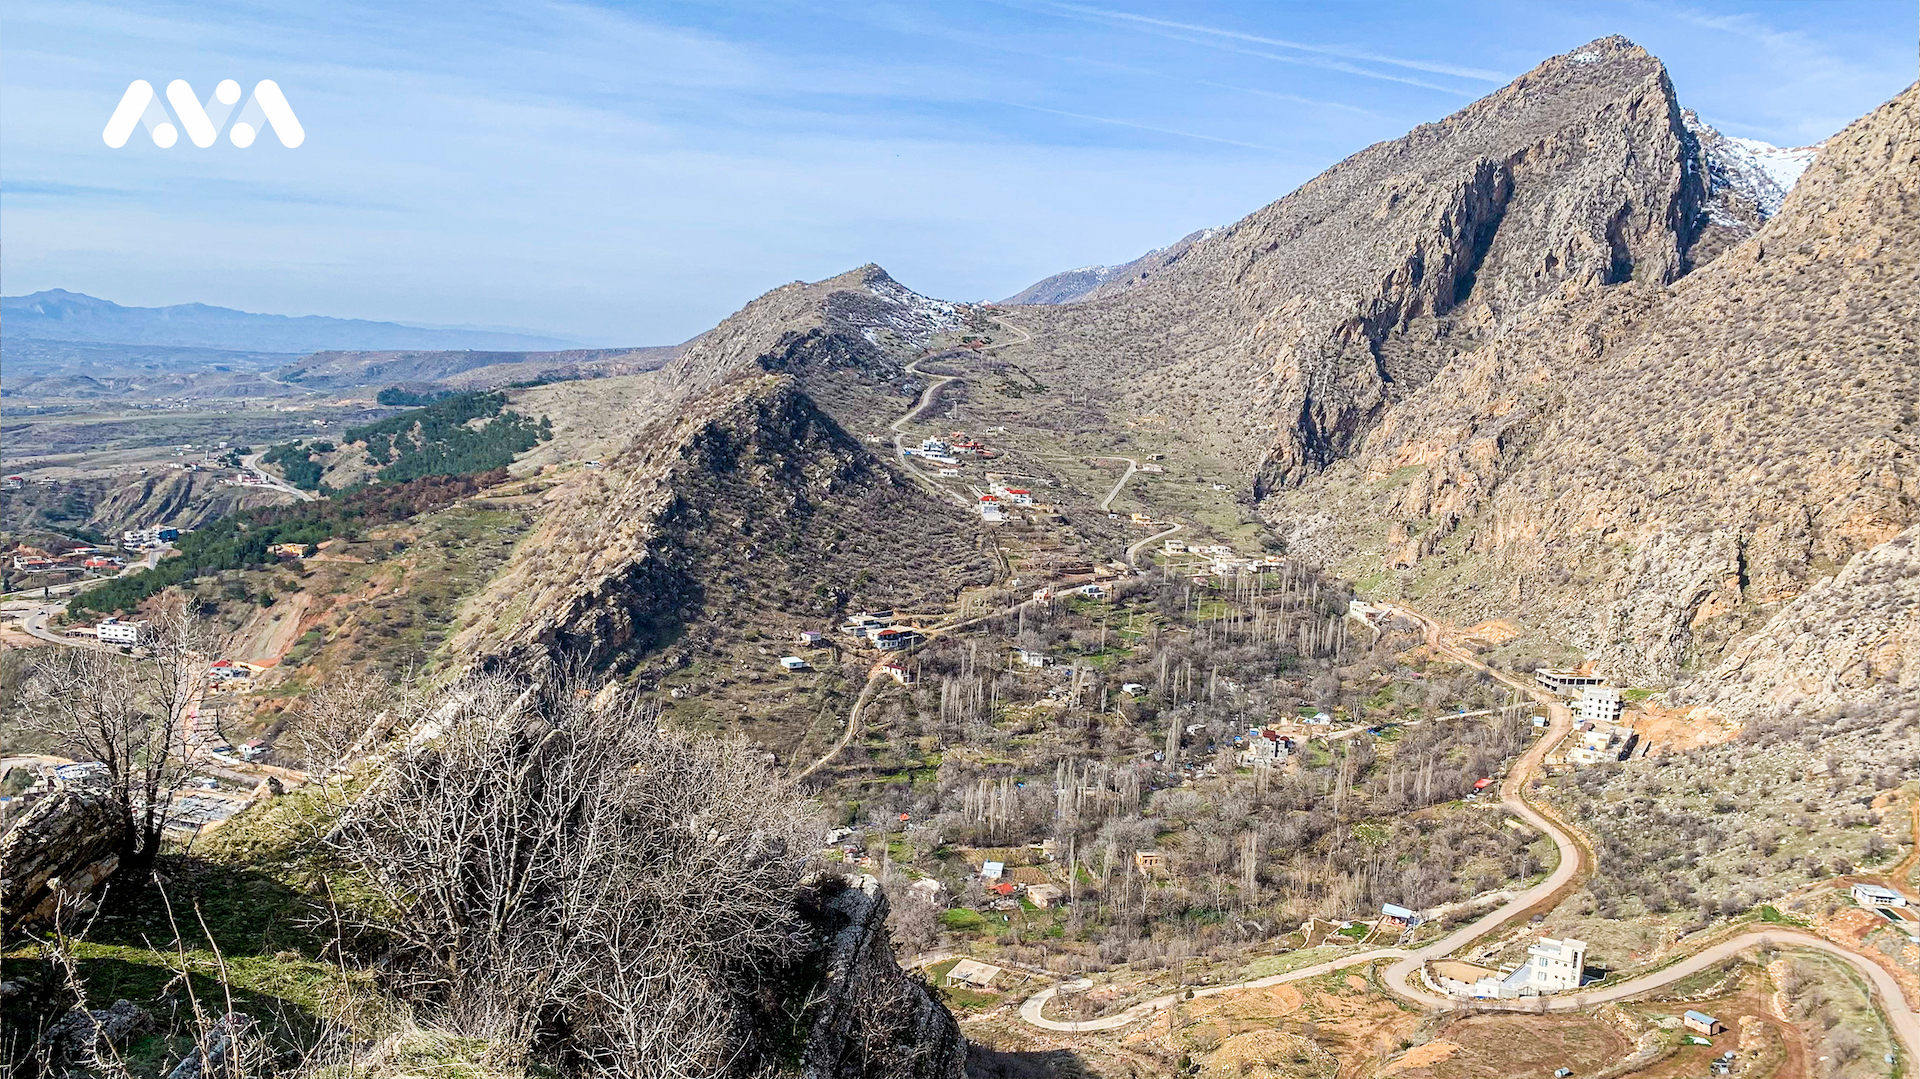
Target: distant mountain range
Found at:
x=59, y=315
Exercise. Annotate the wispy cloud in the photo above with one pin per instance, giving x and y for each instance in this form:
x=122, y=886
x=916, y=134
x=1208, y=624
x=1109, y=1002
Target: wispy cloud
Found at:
x=1334, y=51
x=1141, y=127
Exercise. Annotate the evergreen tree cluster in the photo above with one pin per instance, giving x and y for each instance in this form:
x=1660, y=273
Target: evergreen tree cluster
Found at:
x=298, y=463
x=442, y=439
x=244, y=540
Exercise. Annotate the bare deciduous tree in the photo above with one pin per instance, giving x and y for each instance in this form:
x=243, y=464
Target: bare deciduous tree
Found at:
x=341, y=715
x=552, y=871
x=133, y=715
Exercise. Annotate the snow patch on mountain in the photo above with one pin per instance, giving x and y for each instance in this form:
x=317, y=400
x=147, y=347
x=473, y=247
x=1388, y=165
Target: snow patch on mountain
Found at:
x=1760, y=171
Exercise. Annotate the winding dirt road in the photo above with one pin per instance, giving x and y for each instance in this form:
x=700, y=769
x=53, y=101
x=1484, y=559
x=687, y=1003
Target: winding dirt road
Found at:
x=1402, y=977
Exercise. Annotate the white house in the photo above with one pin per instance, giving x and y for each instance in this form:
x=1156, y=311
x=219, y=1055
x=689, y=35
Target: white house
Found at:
x=793, y=663
x=1598, y=705
x=114, y=631
x=1873, y=895
x=1552, y=966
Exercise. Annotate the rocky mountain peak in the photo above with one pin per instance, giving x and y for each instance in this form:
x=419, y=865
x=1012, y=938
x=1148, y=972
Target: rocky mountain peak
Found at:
x=860, y=318
x=1304, y=321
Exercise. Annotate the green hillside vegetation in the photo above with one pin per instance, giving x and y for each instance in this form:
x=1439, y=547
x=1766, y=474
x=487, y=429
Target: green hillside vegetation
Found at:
x=243, y=540
x=397, y=397
x=467, y=432
x=298, y=462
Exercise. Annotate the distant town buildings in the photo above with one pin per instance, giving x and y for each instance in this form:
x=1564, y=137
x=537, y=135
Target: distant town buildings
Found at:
x=149, y=537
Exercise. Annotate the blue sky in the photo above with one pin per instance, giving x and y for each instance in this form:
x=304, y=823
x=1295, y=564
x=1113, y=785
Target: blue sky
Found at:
x=631, y=173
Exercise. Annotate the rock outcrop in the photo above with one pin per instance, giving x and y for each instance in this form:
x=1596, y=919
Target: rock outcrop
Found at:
x=1849, y=641
x=873, y=1018
x=57, y=853
x=861, y=319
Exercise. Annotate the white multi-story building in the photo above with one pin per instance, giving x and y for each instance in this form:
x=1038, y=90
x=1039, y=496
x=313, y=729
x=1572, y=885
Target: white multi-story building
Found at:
x=1598, y=705
x=114, y=631
x=1552, y=966
x=149, y=537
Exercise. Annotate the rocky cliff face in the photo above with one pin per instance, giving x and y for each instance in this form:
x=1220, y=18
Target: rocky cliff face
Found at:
x=1657, y=469
x=1851, y=641
x=110, y=505
x=873, y=1019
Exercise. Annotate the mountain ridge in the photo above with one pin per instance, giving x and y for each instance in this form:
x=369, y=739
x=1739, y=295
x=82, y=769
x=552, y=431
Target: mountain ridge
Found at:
x=59, y=315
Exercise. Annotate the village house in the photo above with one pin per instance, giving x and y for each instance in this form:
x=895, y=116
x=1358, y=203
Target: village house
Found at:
x=1701, y=1023
x=1399, y=915
x=1263, y=747
x=1874, y=895
x=900, y=674
x=1045, y=896
x=1032, y=658
x=226, y=670
x=893, y=638
x=1598, y=743
x=149, y=537
x=1150, y=863
x=793, y=663
x=1552, y=966
x=114, y=631
x=973, y=974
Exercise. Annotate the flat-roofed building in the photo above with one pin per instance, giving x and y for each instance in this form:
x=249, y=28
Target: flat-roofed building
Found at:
x=1564, y=681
